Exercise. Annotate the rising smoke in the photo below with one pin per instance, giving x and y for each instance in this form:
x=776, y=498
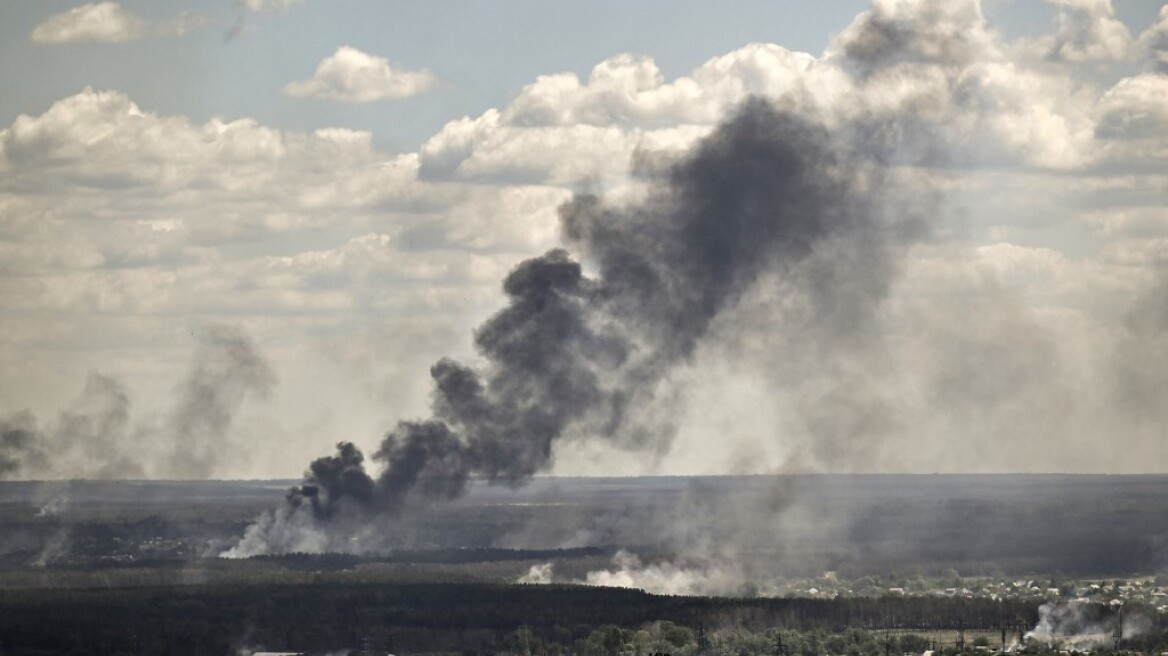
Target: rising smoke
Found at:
x=225, y=371
x=97, y=437
x=723, y=577
x=768, y=195
x=1084, y=625
x=92, y=434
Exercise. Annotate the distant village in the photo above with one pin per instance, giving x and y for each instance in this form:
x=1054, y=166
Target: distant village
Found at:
x=1151, y=591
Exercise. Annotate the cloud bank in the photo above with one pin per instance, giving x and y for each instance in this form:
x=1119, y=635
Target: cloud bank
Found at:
x=1016, y=332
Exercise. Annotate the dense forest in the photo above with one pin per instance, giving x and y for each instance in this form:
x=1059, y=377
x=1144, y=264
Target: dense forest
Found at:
x=482, y=620
x=429, y=617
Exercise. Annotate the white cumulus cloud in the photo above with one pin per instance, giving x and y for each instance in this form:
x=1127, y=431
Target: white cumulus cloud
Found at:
x=353, y=76
x=1085, y=30
x=1154, y=41
x=131, y=222
x=109, y=22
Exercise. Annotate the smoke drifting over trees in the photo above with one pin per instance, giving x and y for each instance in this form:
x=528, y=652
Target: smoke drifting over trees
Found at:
x=775, y=243
x=97, y=437
x=576, y=356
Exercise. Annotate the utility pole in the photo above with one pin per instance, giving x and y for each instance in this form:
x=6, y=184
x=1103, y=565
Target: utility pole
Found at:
x=524, y=631
x=1118, y=633
x=780, y=648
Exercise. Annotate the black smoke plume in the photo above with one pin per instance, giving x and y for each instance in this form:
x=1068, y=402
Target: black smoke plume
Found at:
x=577, y=356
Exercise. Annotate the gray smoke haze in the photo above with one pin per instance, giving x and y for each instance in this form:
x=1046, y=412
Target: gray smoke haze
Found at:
x=573, y=356
x=92, y=438
x=18, y=444
x=769, y=257
x=226, y=370
x=97, y=437
x=704, y=538
x=1143, y=356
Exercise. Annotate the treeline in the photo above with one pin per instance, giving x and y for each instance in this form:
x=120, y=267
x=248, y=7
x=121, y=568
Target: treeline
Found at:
x=413, y=618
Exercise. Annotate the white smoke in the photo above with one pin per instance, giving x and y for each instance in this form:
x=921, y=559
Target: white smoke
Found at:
x=55, y=548
x=540, y=574
x=53, y=508
x=294, y=529
x=1083, y=625
x=290, y=530
x=708, y=578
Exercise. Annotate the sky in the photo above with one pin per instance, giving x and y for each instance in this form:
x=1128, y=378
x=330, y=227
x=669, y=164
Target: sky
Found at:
x=233, y=234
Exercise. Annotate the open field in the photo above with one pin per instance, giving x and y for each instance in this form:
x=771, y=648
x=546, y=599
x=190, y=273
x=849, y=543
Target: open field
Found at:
x=1081, y=526
x=432, y=617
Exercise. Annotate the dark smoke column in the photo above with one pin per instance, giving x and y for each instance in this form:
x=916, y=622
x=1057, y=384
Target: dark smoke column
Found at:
x=573, y=356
